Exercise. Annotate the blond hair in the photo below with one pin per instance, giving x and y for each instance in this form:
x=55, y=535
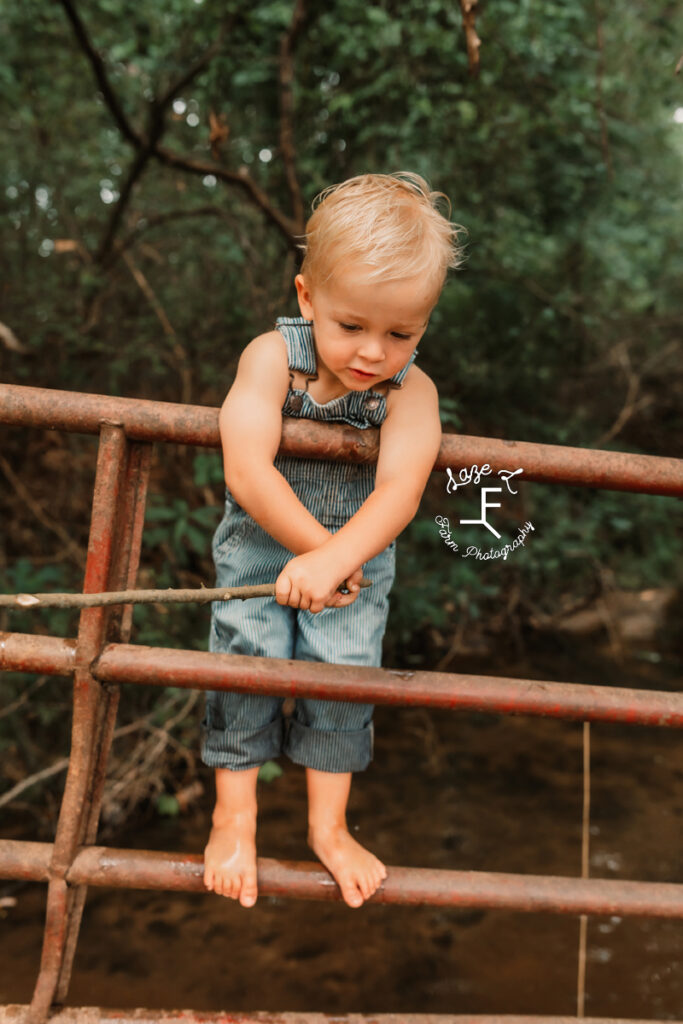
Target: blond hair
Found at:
x=390, y=223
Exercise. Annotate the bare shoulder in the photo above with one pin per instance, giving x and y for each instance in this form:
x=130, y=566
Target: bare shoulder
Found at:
x=418, y=392
x=266, y=348
x=264, y=363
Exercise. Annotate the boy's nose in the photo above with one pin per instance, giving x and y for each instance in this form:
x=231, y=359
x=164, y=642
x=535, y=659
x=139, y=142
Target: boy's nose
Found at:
x=372, y=349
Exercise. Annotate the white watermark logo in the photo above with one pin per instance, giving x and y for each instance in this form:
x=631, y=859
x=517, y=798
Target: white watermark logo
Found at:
x=474, y=475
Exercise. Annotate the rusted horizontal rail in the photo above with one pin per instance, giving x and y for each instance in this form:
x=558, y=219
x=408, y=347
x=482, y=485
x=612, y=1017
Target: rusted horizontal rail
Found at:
x=183, y=872
x=144, y=420
x=43, y=655
x=158, y=666
x=162, y=666
x=17, y=1014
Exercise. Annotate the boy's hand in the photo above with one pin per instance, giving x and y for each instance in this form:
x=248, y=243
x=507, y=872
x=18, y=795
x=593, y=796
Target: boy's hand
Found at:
x=310, y=582
x=352, y=584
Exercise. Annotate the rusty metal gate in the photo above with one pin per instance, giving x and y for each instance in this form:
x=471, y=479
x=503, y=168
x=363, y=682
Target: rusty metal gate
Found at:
x=100, y=659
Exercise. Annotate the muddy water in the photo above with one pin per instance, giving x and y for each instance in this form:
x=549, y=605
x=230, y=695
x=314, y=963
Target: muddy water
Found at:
x=445, y=790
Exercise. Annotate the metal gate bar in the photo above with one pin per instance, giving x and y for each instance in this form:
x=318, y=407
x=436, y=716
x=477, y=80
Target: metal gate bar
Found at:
x=116, y=624
x=95, y=1015
x=113, y=557
x=197, y=425
x=100, y=662
x=183, y=872
x=200, y=670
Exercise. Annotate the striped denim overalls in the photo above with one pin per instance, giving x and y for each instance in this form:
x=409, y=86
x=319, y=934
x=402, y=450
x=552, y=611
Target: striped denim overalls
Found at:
x=241, y=731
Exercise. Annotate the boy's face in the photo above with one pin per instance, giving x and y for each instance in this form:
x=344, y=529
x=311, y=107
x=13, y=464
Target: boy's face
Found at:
x=364, y=331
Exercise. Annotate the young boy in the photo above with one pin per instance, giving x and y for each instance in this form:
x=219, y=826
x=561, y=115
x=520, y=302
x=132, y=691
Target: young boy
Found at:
x=376, y=255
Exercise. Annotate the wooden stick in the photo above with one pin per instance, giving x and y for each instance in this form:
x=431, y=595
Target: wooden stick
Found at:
x=202, y=596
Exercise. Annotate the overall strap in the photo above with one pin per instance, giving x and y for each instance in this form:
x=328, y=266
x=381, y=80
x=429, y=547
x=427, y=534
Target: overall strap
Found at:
x=298, y=335
x=397, y=380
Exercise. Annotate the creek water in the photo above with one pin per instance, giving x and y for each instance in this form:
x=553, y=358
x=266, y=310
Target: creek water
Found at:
x=445, y=790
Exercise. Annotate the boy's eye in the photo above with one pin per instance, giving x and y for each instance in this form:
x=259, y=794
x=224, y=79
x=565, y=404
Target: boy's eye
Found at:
x=401, y=337
x=349, y=327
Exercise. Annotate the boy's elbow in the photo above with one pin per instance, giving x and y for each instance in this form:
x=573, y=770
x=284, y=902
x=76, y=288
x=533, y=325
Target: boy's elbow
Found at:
x=238, y=480
x=406, y=497
x=414, y=506
x=245, y=478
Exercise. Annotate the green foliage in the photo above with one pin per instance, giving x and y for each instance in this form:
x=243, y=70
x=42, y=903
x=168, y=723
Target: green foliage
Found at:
x=186, y=529
x=207, y=468
x=167, y=806
x=269, y=771
x=24, y=577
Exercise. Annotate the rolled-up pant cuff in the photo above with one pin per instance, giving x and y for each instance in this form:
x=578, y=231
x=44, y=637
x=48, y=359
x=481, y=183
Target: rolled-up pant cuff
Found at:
x=240, y=749
x=329, y=751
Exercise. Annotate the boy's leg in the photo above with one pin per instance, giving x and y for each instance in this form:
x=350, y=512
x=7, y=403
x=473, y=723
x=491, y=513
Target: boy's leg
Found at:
x=333, y=738
x=230, y=855
x=358, y=872
x=241, y=731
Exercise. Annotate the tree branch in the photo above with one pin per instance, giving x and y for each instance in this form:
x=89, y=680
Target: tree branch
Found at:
x=135, y=170
x=203, y=596
x=182, y=361
x=97, y=65
x=148, y=146
x=155, y=130
x=473, y=40
x=287, y=227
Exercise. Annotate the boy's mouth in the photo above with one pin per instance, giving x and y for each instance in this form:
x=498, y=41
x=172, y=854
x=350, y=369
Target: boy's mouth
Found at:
x=361, y=375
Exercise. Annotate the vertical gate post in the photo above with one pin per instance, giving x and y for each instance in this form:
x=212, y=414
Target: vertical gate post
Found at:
x=113, y=557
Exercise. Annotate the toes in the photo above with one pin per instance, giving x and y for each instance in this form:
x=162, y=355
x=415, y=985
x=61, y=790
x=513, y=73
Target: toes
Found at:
x=352, y=896
x=249, y=890
x=226, y=887
x=208, y=878
x=232, y=888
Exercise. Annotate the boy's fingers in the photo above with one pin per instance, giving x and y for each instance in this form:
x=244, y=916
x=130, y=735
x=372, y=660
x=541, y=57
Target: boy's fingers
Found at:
x=283, y=586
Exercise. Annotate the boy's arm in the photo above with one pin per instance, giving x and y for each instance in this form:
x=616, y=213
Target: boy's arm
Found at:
x=250, y=425
x=409, y=444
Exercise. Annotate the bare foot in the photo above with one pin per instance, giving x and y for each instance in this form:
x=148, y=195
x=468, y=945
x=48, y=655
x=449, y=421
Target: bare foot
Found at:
x=230, y=860
x=358, y=872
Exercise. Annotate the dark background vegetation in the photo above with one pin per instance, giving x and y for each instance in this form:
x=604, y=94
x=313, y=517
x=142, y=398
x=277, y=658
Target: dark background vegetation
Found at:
x=159, y=161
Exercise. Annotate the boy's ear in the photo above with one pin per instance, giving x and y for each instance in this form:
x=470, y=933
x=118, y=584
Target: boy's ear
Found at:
x=304, y=296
